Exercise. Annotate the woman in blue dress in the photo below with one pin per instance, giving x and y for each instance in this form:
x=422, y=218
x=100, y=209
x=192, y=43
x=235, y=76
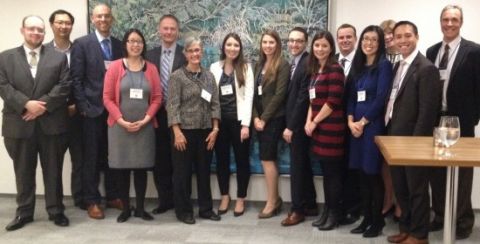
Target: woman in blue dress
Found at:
x=371, y=76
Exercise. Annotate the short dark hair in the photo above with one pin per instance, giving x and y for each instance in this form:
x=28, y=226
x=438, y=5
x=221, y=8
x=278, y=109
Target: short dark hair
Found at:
x=313, y=63
x=169, y=16
x=60, y=11
x=345, y=26
x=406, y=22
x=125, y=40
x=302, y=30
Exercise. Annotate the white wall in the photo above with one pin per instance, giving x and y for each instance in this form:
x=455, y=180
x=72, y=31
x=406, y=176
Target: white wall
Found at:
x=425, y=14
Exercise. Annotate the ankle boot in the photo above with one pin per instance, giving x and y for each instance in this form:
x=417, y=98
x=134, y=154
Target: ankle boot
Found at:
x=322, y=219
x=332, y=221
x=375, y=229
x=362, y=227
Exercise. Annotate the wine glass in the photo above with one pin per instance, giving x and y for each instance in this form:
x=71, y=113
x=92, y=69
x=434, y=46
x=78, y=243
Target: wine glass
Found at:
x=449, y=130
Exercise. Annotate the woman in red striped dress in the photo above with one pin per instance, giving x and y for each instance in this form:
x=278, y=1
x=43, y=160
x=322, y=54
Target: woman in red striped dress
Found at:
x=326, y=123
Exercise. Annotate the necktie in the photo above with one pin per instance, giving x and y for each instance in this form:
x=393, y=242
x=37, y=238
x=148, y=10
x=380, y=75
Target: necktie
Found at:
x=107, y=53
x=342, y=62
x=292, y=68
x=396, y=87
x=33, y=60
x=444, y=61
x=165, y=72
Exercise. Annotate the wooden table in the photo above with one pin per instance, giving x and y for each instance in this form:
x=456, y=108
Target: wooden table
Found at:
x=419, y=151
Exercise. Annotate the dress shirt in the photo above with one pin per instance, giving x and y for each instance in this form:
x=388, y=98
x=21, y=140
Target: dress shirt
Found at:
x=172, y=55
x=66, y=51
x=100, y=38
x=33, y=70
x=295, y=61
x=454, y=46
x=348, y=61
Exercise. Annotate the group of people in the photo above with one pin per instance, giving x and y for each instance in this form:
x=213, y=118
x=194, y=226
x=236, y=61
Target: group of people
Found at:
x=120, y=109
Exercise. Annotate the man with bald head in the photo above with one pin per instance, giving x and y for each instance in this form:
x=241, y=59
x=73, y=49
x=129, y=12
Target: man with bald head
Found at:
x=34, y=86
x=90, y=58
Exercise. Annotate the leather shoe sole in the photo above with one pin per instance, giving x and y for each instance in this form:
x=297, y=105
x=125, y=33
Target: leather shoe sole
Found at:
x=293, y=219
x=18, y=223
x=187, y=220
x=162, y=209
x=397, y=238
x=59, y=219
x=210, y=216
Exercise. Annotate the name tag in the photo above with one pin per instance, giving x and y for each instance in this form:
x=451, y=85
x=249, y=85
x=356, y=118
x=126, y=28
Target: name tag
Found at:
x=206, y=95
x=393, y=94
x=361, y=96
x=136, y=93
x=311, y=93
x=443, y=74
x=226, y=90
x=259, y=90
x=107, y=64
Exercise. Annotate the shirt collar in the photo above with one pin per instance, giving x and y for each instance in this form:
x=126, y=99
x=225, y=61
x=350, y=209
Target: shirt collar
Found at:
x=453, y=43
x=28, y=50
x=100, y=37
x=349, y=57
x=297, y=58
x=62, y=50
x=411, y=57
x=171, y=48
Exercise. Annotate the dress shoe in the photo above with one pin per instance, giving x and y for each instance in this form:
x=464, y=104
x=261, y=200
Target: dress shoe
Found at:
x=238, y=214
x=331, y=222
x=362, y=227
x=435, y=226
x=348, y=219
x=124, y=216
x=210, y=215
x=462, y=234
x=142, y=214
x=397, y=238
x=374, y=230
x=162, y=208
x=224, y=211
x=59, y=219
x=309, y=212
x=95, y=212
x=115, y=203
x=276, y=210
x=187, y=219
x=413, y=240
x=18, y=222
x=322, y=219
x=293, y=218
x=389, y=211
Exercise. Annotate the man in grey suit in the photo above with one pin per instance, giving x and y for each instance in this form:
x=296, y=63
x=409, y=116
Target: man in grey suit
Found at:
x=412, y=109
x=91, y=56
x=168, y=57
x=34, y=85
x=459, y=62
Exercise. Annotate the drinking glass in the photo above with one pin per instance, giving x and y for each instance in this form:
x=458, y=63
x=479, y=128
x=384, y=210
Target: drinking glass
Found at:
x=451, y=134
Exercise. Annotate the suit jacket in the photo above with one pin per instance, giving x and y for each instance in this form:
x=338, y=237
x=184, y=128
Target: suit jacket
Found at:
x=296, y=108
x=88, y=71
x=179, y=60
x=418, y=100
x=244, y=94
x=463, y=92
x=272, y=100
x=17, y=86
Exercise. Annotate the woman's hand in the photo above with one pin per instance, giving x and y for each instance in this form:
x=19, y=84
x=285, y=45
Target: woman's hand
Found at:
x=310, y=127
x=287, y=135
x=211, y=138
x=259, y=124
x=244, y=133
x=180, y=142
x=127, y=125
x=356, y=128
x=139, y=124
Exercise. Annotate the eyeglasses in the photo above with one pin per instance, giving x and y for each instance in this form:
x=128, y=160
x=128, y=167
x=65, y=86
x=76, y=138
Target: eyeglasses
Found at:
x=34, y=28
x=371, y=40
x=196, y=50
x=135, y=42
x=66, y=23
x=299, y=41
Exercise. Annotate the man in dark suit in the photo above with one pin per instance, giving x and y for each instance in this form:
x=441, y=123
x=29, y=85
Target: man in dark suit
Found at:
x=34, y=85
x=411, y=111
x=91, y=56
x=301, y=176
x=61, y=23
x=168, y=57
x=459, y=62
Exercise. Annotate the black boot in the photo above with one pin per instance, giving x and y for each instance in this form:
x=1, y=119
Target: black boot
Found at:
x=323, y=217
x=362, y=227
x=125, y=215
x=378, y=222
x=332, y=220
x=375, y=229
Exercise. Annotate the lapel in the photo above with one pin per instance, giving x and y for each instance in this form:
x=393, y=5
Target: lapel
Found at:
x=96, y=49
x=298, y=71
x=176, y=58
x=44, y=57
x=23, y=64
x=461, y=53
x=410, y=72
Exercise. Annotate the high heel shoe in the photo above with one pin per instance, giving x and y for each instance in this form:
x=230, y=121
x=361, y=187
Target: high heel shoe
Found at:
x=276, y=210
x=362, y=227
x=322, y=219
x=239, y=213
x=224, y=211
x=332, y=221
x=374, y=230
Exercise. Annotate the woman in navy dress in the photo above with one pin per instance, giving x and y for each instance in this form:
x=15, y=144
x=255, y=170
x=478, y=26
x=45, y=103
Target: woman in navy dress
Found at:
x=370, y=78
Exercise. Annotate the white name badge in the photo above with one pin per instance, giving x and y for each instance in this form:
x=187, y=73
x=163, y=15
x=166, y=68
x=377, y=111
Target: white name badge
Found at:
x=136, y=93
x=311, y=93
x=443, y=74
x=393, y=94
x=206, y=95
x=226, y=90
x=259, y=90
x=361, y=96
x=107, y=64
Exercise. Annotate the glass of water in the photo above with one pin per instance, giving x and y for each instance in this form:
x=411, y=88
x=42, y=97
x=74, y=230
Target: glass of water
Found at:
x=450, y=132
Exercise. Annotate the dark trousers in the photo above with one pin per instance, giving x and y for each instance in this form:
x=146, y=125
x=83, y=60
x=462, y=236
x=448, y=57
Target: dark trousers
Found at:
x=199, y=157
x=438, y=177
x=162, y=172
x=302, y=187
x=411, y=190
x=351, y=196
x=95, y=160
x=24, y=153
x=229, y=135
x=373, y=191
x=75, y=147
x=332, y=183
x=140, y=184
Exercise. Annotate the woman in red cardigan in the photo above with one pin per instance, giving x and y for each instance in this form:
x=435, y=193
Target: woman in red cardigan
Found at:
x=132, y=95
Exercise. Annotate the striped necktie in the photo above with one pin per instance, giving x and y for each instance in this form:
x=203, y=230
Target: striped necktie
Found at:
x=107, y=53
x=165, y=72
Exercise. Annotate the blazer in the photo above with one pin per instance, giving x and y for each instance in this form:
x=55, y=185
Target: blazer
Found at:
x=274, y=93
x=17, y=86
x=88, y=71
x=244, y=94
x=463, y=92
x=418, y=100
x=179, y=59
x=296, y=108
x=111, y=91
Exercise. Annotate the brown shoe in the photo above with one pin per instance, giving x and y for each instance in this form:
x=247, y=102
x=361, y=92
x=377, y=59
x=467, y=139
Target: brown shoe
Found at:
x=95, y=212
x=116, y=203
x=413, y=240
x=398, y=237
x=293, y=218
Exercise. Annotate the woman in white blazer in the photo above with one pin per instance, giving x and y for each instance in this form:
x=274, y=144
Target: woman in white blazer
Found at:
x=234, y=78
